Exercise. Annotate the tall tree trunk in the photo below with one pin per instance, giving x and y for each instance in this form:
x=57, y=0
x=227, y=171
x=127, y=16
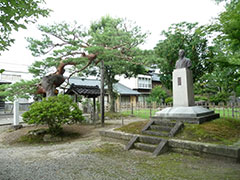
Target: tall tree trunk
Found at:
x=102, y=92
x=112, y=96
x=50, y=82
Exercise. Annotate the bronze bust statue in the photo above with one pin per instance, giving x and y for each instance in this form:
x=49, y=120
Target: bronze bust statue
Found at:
x=182, y=62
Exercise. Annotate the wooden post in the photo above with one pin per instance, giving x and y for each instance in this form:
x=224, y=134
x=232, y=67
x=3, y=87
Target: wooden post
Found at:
x=232, y=104
x=120, y=104
x=94, y=110
x=131, y=108
x=102, y=93
x=150, y=110
x=75, y=98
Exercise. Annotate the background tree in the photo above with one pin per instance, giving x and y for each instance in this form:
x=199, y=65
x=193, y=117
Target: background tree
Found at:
x=190, y=37
x=227, y=27
x=218, y=85
x=114, y=41
x=15, y=14
x=223, y=82
x=158, y=95
x=117, y=67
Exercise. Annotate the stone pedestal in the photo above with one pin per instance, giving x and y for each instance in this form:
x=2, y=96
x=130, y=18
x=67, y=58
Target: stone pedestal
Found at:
x=184, y=108
x=191, y=114
x=183, y=95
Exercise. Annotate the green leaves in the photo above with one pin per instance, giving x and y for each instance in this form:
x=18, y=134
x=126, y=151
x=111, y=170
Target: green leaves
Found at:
x=15, y=14
x=21, y=89
x=158, y=95
x=228, y=40
x=113, y=40
x=190, y=37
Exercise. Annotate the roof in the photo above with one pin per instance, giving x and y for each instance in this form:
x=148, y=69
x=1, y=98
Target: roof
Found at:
x=124, y=90
x=87, y=91
x=155, y=77
x=118, y=87
x=84, y=82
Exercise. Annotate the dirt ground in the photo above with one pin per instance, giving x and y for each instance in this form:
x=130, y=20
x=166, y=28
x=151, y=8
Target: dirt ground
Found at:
x=88, y=157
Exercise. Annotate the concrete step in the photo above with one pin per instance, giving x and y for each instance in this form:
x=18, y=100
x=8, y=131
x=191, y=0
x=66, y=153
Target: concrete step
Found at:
x=160, y=128
x=145, y=147
x=164, y=123
x=155, y=133
x=149, y=140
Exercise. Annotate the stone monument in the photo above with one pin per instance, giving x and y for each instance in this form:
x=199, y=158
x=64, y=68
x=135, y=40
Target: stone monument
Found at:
x=184, y=108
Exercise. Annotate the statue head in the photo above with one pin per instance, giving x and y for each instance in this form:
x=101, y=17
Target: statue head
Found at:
x=181, y=53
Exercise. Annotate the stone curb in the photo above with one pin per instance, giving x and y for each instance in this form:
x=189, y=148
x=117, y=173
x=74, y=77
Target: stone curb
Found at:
x=219, y=150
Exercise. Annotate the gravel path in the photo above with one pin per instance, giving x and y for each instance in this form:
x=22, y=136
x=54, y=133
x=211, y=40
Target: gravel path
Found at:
x=90, y=158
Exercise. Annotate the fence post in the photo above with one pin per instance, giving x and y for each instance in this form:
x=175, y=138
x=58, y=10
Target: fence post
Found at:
x=16, y=113
x=132, y=109
x=232, y=104
x=150, y=110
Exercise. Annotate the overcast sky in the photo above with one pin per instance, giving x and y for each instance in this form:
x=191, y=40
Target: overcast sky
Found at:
x=152, y=15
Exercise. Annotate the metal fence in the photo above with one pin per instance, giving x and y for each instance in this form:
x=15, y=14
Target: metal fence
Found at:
x=230, y=110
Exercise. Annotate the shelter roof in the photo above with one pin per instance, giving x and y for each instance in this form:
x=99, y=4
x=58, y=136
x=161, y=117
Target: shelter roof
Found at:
x=87, y=91
x=118, y=87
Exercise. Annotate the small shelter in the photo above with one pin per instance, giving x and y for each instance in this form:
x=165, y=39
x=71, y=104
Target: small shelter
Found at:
x=86, y=91
x=126, y=95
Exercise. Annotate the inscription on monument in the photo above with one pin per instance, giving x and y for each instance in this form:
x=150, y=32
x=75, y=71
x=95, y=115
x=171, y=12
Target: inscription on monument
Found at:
x=179, y=81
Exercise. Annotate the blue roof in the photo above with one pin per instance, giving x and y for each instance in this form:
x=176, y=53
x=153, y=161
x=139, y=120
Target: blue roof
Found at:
x=84, y=82
x=118, y=87
x=155, y=77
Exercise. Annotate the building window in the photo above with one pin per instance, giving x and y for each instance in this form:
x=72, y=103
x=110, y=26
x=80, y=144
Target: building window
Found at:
x=125, y=99
x=144, y=83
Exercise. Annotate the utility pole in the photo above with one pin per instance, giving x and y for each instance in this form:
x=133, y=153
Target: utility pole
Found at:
x=102, y=93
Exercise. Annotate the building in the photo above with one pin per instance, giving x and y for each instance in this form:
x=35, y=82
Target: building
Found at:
x=12, y=74
x=125, y=95
x=142, y=84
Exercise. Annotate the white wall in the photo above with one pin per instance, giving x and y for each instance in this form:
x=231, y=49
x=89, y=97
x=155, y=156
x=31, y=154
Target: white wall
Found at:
x=129, y=82
x=15, y=72
x=134, y=83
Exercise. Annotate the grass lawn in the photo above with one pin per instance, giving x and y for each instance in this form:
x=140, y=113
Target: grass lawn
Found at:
x=141, y=113
x=219, y=131
x=145, y=113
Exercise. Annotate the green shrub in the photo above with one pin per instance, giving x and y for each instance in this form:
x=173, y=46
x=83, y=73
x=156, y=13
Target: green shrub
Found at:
x=200, y=98
x=54, y=111
x=169, y=100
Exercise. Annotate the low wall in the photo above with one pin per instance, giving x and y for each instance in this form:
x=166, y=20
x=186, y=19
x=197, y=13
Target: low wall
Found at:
x=231, y=152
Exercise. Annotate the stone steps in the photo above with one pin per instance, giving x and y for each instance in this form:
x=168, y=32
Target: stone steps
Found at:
x=150, y=139
x=164, y=123
x=155, y=145
x=156, y=133
x=145, y=147
x=147, y=143
x=160, y=128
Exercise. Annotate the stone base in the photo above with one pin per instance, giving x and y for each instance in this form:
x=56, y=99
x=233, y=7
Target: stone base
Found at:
x=191, y=114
